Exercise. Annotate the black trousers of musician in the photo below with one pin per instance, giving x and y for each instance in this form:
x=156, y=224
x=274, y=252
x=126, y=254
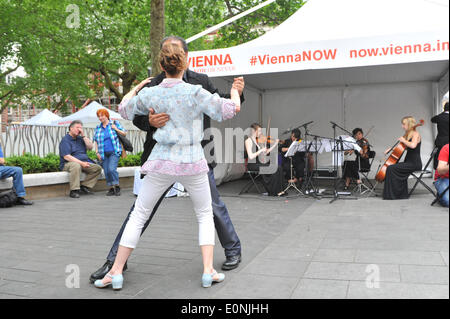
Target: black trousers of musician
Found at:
x=351, y=168
x=298, y=163
x=273, y=183
x=396, y=182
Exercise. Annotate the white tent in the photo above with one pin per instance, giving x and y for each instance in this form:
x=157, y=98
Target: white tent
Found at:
x=45, y=118
x=358, y=63
x=88, y=115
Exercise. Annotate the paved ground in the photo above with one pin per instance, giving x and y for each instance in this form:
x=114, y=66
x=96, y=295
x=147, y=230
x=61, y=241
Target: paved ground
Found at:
x=292, y=248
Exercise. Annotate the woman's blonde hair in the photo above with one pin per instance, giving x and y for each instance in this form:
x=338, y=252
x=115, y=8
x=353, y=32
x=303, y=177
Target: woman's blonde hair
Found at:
x=172, y=58
x=410, y=126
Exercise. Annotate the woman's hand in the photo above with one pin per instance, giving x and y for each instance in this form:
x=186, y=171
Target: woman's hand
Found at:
x=402, y=140
x=114, y=127
x=143, y=83
x=98, y=156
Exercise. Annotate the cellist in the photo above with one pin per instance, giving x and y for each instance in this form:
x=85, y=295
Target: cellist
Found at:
x=396, y=182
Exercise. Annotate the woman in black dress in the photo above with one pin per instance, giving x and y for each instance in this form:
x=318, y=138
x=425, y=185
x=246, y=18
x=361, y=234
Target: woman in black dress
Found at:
x=351, y=168
x=273, y=183
x=396, y=182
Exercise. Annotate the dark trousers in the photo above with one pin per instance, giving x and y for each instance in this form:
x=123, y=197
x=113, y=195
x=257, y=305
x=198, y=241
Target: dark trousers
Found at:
x=224, y=227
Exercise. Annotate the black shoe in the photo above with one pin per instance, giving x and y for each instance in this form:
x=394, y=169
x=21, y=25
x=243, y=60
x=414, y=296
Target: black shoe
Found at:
x=75, y=194
x=103, y=270
x=111, y=192
x=232, y=262
x=23, y=201
x=117, y=190
x=85, y=190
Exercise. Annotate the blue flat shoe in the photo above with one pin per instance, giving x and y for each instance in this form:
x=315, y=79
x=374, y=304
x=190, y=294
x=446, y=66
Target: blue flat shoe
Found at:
x=207, y=279
x=117, y=282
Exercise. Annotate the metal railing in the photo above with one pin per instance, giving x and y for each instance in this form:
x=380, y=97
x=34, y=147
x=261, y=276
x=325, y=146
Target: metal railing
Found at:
x=42, y=140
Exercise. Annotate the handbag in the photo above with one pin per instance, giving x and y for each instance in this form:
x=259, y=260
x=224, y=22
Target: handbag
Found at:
x=126, y=143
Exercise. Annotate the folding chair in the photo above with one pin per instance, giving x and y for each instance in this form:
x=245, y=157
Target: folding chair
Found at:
x=254, y=177
x=419, y=174
x=366, y=185
x=438, y=196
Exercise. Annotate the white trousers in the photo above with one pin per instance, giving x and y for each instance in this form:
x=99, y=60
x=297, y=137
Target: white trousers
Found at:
x=153, y=186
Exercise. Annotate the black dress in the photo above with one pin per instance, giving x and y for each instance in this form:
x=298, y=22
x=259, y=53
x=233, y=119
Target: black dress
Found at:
x=396, y=182
x=298, y=163
x=273, y=183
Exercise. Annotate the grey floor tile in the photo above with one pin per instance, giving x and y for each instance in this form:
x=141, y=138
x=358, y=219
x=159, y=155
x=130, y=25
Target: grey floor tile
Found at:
x=320, y=289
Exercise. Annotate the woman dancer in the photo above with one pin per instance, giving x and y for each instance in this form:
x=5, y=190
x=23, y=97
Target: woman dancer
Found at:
x=177, y=157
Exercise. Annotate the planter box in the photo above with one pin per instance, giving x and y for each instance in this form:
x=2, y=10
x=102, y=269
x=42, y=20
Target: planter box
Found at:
x=56, y=184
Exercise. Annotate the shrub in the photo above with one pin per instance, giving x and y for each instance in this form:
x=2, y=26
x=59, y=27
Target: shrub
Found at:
x=50, y=163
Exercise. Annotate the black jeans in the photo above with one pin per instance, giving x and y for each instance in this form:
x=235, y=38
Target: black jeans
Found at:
x=224, y=227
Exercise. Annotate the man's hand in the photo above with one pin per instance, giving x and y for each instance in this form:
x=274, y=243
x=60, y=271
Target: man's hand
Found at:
x=157, y=120
x=85, y=164
x=239, y=84
x=80, y=132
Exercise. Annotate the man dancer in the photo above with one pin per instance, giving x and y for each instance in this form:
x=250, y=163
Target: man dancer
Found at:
x=224, y=227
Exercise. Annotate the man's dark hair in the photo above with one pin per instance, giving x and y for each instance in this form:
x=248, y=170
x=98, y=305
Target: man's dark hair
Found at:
x=297, y=134
x=173, y=37
x=446, y=107
x=75, y=122
x=357, y=130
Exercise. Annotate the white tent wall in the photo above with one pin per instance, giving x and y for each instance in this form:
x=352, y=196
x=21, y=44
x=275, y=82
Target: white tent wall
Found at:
x=249, y=114
x=380, y=105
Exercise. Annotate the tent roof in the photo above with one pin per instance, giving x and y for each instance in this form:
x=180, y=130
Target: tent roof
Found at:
x=87, y=115
x=346, y=34
x=320, y=20
x=43, y=118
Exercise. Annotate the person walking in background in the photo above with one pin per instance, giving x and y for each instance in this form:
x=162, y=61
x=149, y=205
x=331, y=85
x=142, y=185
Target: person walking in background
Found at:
x=177, y=156
x=442, y=136
x=441, y=177
x=74, y=159
x=17, y=174
x=109, y=149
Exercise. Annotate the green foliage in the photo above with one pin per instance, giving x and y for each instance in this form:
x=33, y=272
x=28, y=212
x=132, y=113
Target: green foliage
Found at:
x=34, y=164
x=31, y=164
x=110, y=44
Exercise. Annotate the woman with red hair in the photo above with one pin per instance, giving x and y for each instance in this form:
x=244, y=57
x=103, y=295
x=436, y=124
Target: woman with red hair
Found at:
x=109, y=149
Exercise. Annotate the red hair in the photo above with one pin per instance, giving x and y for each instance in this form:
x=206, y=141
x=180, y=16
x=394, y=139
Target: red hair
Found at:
x=103, y=112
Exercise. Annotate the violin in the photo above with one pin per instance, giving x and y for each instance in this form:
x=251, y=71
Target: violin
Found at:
x=364, y=144
x=397, y=152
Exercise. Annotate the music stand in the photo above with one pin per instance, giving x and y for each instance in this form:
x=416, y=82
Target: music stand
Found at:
x=294, y=148
x=338, y=143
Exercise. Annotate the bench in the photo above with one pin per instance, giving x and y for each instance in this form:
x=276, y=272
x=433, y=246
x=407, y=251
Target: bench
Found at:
x=47, y=185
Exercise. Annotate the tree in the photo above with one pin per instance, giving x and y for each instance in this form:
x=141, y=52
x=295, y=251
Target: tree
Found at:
x=72, y=49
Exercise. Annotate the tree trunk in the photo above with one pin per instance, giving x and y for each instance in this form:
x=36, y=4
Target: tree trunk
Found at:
x=157, y=32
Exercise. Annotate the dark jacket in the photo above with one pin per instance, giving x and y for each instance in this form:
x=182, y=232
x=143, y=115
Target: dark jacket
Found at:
x=442, y=125
x=190, y=77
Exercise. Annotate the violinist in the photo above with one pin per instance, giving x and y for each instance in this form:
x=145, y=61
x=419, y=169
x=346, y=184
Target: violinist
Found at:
x=396, y=182
x=255, y=150
x=298, y=160
x=351, y=168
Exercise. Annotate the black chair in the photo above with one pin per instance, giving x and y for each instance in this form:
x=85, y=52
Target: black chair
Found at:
x=254, y=179
x=366, y=185
x=418, y=175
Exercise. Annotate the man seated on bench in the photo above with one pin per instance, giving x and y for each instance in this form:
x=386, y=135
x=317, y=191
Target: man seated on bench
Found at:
x=74, y=159
x=17, y=174
x=441, y=183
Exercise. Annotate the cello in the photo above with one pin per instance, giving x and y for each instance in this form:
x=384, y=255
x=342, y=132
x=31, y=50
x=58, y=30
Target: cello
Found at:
x=396, y=153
